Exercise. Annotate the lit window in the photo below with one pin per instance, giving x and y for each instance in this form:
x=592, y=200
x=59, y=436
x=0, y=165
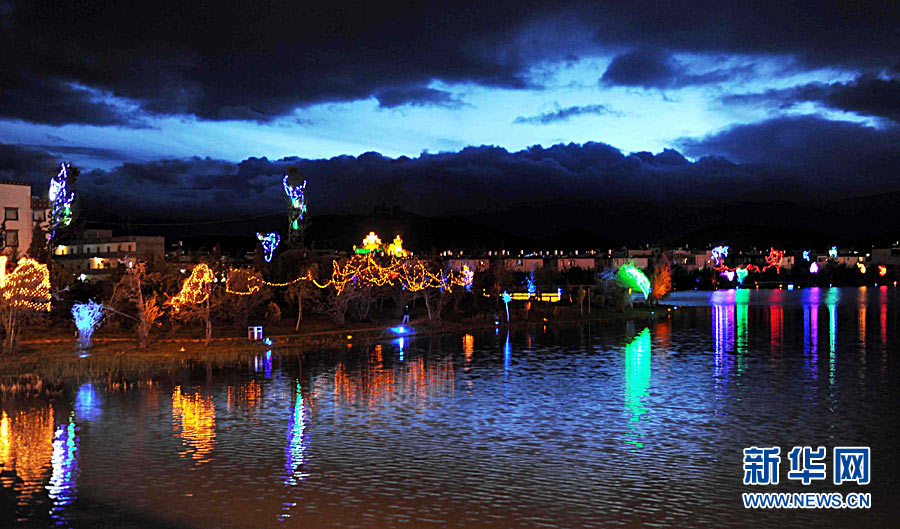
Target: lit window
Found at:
x=12, y=213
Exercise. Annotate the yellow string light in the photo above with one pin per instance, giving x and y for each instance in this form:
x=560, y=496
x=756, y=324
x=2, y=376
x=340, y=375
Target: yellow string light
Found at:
x=28, y=286
x=195, y=288
x=363, y=270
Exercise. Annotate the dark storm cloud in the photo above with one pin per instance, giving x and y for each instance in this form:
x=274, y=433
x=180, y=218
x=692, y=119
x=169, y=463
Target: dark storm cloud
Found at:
x=58, y=102
x=416, y=96
x=801, y=157
x=262, y=60
x=563, y=114
x=831, y=156
x=658, y=69
x=868, y=95
x=25, y=164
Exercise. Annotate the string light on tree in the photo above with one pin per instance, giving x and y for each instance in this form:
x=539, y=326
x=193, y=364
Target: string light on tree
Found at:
x=361, y=270
x=506, y=299
x=195, y=288
x=87, y=318
x=28, y=286
x=806, y=255
x=814, y=268
x=296, y=195
x=882, y=270
x=529, y=283
x=832, y=253
x=269, y=242
x=468, y=276
x=741, y=274
x=862, y=267
x=61, y=199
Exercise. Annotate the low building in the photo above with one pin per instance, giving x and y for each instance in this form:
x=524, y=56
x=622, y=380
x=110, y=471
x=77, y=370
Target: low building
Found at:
x=889, y=257
x=523, y=264
x=620, y=260
x=476, y=265
x=565, y=263
x=99, y=250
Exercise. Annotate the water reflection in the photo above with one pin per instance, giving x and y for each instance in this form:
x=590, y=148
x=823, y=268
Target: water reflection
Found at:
x=62, y=488
x=831, y=302
x=598, y=421
x=295, y=450
x=194, y=420
x=507, y=356
x=26, y=446
x=246, y=396
x=637, y=381
x=87, y=403
x=810, y=301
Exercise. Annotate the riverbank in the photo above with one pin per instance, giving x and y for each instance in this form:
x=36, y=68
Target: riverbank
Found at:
x=43, y=364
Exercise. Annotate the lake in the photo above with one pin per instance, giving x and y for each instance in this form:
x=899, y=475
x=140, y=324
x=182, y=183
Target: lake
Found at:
x=617, y=424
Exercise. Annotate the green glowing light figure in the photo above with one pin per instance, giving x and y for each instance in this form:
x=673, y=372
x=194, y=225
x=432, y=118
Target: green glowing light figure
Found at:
x=634, y=279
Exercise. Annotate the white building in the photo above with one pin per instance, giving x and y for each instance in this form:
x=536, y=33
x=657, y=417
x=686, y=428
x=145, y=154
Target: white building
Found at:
x=20, y=211
x=99, y=250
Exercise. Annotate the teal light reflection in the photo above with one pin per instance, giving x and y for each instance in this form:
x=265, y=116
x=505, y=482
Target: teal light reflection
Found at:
x=295, y=450
x=62, y=488
x=831, y=301
x=637, y=381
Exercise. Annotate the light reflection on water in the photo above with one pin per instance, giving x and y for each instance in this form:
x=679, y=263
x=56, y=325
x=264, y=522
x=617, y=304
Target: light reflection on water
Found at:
x=617, y=424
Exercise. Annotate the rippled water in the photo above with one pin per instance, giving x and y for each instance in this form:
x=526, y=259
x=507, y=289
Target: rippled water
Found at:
x=617, y=424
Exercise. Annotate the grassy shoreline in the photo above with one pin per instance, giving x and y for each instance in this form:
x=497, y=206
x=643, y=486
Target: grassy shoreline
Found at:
x=43, y=364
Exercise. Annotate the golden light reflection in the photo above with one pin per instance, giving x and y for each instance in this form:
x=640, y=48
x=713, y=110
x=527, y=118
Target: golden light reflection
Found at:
x=26, y=446
x=375, y=385
x=247, y=396
x=469, y=346
x=194, y=420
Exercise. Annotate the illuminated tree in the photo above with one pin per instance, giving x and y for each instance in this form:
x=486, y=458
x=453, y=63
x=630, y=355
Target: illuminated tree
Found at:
x=580, y=294
x=23, y=293
x=192, y=302
x=269, y=242
x=62, y=197
x=632, y=277
x=661, y=279
x=303, y=289
x=87, y=318
x=296, y=198
x=130, y=289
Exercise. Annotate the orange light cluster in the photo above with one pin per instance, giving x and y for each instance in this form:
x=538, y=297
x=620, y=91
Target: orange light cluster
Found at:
x=362, y=270
x=195, y=288
x=27, y=286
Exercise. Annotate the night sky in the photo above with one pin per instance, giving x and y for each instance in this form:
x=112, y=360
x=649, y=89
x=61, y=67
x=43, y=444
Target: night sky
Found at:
x=688, y=107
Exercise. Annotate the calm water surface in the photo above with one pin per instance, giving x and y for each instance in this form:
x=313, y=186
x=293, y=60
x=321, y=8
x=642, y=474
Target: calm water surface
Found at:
x=625, y=424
